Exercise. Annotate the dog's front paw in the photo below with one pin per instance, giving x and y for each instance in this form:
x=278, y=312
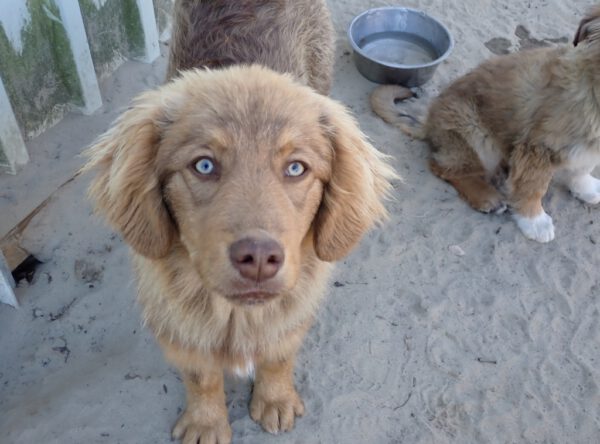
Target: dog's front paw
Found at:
x=197, y=425
x=539, y=228
x=277, y=412
x=587, y=189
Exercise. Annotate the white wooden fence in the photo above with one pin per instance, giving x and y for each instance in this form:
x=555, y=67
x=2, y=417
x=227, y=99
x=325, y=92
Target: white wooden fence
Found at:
x=52, y=53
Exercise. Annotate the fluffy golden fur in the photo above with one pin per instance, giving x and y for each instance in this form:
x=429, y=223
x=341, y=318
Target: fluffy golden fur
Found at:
x=254, y=126
x=500, y=133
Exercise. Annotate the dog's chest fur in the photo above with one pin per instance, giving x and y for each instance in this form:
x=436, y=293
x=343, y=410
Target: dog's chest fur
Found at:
x=178, y=311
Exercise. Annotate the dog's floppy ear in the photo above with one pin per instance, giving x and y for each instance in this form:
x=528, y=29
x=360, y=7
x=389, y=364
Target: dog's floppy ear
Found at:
x=127, y=188
x=589, y=27
x=360, y=181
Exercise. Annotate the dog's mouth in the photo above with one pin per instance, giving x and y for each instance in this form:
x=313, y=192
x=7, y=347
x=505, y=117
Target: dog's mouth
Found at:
x=252, y=297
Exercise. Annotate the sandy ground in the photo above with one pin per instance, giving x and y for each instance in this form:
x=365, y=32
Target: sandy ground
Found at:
x=414, y=343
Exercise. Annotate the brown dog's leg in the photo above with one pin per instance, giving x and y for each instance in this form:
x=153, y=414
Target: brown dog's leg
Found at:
x=473, y=188
x=205, y=417
x=531, y=169
x=275, y=402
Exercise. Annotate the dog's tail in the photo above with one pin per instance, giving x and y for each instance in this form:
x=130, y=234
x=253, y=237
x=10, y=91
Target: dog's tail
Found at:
x=384, y=100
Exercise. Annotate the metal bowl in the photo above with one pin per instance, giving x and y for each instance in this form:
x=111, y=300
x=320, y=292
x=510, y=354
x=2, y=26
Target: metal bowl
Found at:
x=398, y=45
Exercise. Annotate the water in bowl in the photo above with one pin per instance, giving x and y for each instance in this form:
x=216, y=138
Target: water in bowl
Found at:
x=399, y=48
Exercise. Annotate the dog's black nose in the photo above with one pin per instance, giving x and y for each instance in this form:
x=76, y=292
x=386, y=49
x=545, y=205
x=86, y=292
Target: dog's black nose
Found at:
x=256, y=259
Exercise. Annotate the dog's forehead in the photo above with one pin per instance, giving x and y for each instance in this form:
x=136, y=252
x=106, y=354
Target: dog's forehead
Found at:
x=243, y=109
x=257, y=118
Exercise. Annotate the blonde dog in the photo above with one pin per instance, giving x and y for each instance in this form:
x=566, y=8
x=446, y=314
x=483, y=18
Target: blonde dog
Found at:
x=501, y=132
x=235, y=188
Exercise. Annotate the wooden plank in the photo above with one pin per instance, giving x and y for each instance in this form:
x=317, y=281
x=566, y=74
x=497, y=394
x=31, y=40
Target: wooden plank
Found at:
x=10, y=244
x=13, y=252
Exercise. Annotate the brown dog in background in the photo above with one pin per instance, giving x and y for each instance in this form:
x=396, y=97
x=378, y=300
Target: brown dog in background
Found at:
x=235, y=187
x=500, y=133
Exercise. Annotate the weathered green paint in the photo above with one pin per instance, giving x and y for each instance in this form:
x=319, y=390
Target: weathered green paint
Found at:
x=109, y=32
x=133, y=26
x=3, y=158
x=63, y=56
x=43, y=78
x=106, y=36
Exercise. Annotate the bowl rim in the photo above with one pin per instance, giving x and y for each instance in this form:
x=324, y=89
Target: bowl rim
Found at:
x=435, y=62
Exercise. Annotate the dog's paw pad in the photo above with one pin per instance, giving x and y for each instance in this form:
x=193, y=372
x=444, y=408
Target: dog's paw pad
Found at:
x=276, y=416
x=587, y=189
x=538, y=228
x=488, y=201
x=493, y=207
x=500, y=209
x=191, y=429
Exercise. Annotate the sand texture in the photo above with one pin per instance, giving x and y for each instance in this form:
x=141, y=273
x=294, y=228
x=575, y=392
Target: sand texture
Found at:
x=444, y=326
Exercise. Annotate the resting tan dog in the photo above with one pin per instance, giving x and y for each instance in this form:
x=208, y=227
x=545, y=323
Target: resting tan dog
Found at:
x=235, y=188
x=516, y=119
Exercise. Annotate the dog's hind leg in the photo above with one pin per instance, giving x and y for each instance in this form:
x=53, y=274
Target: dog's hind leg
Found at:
x=585, y=187
x=458, y=164
x=474, y=189
x=576, y=176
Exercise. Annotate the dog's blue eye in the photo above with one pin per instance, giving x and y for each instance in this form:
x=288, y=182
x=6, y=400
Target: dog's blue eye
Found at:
x=295, y=169
x=205, y=166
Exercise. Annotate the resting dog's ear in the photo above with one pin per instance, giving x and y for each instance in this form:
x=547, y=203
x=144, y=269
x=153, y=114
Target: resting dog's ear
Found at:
x=589, y=27
x=360, y=181
x=127, y=187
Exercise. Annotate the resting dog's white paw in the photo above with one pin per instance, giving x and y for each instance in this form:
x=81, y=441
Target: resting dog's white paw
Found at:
x=539, y=228
x=586, y=188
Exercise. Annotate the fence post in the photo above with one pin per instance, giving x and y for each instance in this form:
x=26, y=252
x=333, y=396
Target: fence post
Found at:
x=148, y=20
x=71, y=18
x=7, y=283
x=11, y=141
